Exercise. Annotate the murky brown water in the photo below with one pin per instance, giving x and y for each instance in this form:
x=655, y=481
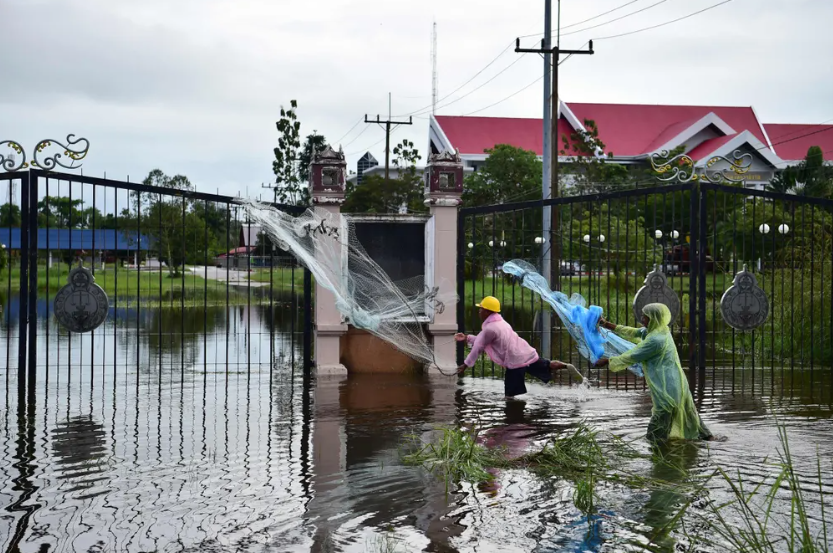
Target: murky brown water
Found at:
x=254, y=459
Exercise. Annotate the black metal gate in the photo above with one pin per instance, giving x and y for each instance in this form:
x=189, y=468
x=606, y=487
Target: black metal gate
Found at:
x=190, y=283
x=700, y=235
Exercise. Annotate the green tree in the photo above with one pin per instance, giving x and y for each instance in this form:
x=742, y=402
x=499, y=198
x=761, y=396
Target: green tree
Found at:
x=91, y=217
x=60, y=212
x=810, y=178
x=312, y=145
x=377, y=195
x=406, y=156
x=591, y=171
x=602, y=238
x=289, y=186
x=176, y=229
x=10, y=215
x=509, y=174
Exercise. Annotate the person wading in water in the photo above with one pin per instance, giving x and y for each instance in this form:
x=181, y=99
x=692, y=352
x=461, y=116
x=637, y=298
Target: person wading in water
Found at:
x=503, y=346
x=673, y=415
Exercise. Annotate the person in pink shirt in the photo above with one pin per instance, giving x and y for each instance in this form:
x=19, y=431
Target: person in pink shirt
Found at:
x=503, y=346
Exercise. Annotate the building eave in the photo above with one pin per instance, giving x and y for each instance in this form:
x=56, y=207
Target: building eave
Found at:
x=746, y=137
x=707, y=120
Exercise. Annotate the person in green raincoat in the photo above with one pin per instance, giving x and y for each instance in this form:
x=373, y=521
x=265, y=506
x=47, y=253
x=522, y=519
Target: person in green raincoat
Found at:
x=673, y=415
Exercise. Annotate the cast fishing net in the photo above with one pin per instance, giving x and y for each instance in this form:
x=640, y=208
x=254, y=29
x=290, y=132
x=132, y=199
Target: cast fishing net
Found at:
x=364, y=294
x=581, y=322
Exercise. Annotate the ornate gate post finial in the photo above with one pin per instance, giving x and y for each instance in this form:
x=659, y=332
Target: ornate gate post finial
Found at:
x=444, y=179
x=326, y=175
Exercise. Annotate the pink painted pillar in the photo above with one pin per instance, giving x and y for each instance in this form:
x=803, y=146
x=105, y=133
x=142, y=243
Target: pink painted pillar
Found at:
x=443, y=189
x=327, y=188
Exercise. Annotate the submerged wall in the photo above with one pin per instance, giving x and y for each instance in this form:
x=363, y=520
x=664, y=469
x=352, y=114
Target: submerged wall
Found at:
x=362, y=352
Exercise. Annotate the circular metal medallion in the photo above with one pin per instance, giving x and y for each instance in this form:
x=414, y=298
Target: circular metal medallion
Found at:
x=744, y=305
x=81, y=305
x=656, y=290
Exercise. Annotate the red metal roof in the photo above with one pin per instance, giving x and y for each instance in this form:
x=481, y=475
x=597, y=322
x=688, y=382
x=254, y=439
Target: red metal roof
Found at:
x=633, y=129
x=709, y=146
x=236, y=251
x=474, y=135
x=795, y=140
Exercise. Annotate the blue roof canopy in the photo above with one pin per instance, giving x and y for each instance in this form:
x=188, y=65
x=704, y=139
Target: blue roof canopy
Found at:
x=79, y=239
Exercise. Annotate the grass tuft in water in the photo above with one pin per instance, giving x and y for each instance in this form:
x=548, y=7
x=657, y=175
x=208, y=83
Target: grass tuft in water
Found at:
x=584, y=496
x=574, y=455
x=747, y=522
x=455, y=456
x=387, y=542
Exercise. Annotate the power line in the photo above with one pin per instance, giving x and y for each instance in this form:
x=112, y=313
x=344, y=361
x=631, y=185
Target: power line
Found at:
x=518, y=91
x=666, y=23
x=817, y=131
x=800, y=130
x=389, y=124
x=358, y=135
x=614, y=20
x=504, y=70
x=506, y=98
x=450, y=94
x=392, y=132
x=626, y=4
x=348, y=132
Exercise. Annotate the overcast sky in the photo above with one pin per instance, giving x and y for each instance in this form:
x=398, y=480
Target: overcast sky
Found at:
x=195, y=86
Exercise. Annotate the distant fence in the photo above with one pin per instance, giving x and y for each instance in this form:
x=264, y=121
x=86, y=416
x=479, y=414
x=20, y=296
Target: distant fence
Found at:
x=245, y=262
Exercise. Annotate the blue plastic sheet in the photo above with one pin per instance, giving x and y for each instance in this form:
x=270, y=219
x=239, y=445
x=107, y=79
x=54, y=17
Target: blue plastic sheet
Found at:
x=593, y=343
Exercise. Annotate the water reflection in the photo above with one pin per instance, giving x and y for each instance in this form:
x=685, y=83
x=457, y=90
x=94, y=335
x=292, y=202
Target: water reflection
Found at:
x=160, y=342
x=671, y=465
x=79, y=446
x=135, y=455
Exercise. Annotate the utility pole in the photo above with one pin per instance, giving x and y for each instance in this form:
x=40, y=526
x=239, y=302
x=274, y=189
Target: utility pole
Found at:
x=553, y=131
x=389, y=124
x=551, y=262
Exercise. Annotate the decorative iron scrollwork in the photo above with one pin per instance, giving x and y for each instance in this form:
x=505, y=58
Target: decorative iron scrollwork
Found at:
x=69, y=150
x=656, y=290
x=744, y=305
x=7, y=162
x=681, y=168
x=73, y=148
x=676, y=167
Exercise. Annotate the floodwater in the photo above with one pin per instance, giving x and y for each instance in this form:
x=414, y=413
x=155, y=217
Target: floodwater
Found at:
x=193, y=441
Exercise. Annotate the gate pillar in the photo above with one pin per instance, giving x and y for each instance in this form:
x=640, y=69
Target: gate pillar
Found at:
x=327, y=183
x=443, y=190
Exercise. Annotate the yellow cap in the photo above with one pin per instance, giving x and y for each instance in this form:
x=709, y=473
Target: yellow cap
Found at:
x=490, y=303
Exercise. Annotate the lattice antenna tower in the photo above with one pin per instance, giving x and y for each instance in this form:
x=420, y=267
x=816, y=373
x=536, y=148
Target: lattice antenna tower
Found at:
x=434, y=80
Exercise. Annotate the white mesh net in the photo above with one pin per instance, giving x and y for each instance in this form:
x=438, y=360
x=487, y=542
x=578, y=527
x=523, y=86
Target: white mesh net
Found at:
x=364, y=294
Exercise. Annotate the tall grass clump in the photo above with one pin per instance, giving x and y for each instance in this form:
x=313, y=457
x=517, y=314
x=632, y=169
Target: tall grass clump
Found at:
x=573, y=455
x=455, y=456
x=748, y=522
